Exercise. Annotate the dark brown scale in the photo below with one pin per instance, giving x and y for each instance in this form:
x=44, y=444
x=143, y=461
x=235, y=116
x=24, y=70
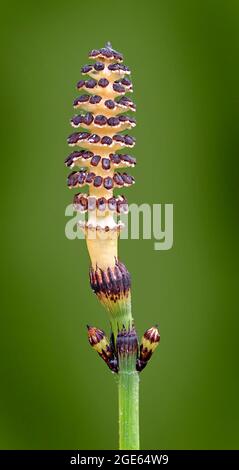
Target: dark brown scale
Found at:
x=81, y=177
x=98, y=180
x=118, y=88
x=123, y=118
x=108, y=183
x=113, y=121
x=119, y=138
x=106, y=53
x=90, y=177
x=106, y=140
x=81, y=202
x=114, y=67
x=128, y=159
x=122, y=206
x=86, y=154
x=100, y=120
x=95, y=160
x=94, y=53
x=81, y=99
x=72, y=179
x=105, y=162
x=95, y=99
x=88, y=119
x=126, y=82
x=112, y=204
x=129, y=140
x=124, y=68
x=80, y=84
x=110, y=104
x=86, y=69
x=128, y=179
x=91, y=203
x=77, y=120
x=118, y=179
x=90, y=83
x=115, y=158
x=94, y=138
x=98, y=66
x=126, y=102
x=72, y=157
x=101, y=203
x=103, y=82
x=73, y=138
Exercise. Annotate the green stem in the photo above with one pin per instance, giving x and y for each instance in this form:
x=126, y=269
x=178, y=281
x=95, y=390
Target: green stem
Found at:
x=128, y=385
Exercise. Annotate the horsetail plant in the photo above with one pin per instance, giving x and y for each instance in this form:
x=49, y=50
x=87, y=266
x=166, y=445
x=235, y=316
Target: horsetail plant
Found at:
x=104, y=105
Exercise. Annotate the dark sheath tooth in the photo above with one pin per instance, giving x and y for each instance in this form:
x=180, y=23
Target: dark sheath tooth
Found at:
x=90, y=83
x=108, y=182
x=81, y=177
x=90, y=177
x=119, y=138
x=118, y=179
x=98, y=180
x=86, y=68
x=80, y=84
x=95, y=160
x=91, y=203
x=103, y=82
x=81, y=99
x=106, y=140
x=94, y=138
x=129, y=140
x=113, y=121
x=95, y=99
x=115, y=158
x=100, y=120
x=110, y=104
x=118, y=88
x=105, y=162
x=101, y=204
x=112, y=204
x=88, y=119
x=72, y=179
x=98, y=66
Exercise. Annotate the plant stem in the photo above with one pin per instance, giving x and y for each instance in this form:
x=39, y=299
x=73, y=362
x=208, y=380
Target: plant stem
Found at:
x=128, y=385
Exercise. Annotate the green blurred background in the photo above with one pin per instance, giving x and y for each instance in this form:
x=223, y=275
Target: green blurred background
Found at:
x=55, y=393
